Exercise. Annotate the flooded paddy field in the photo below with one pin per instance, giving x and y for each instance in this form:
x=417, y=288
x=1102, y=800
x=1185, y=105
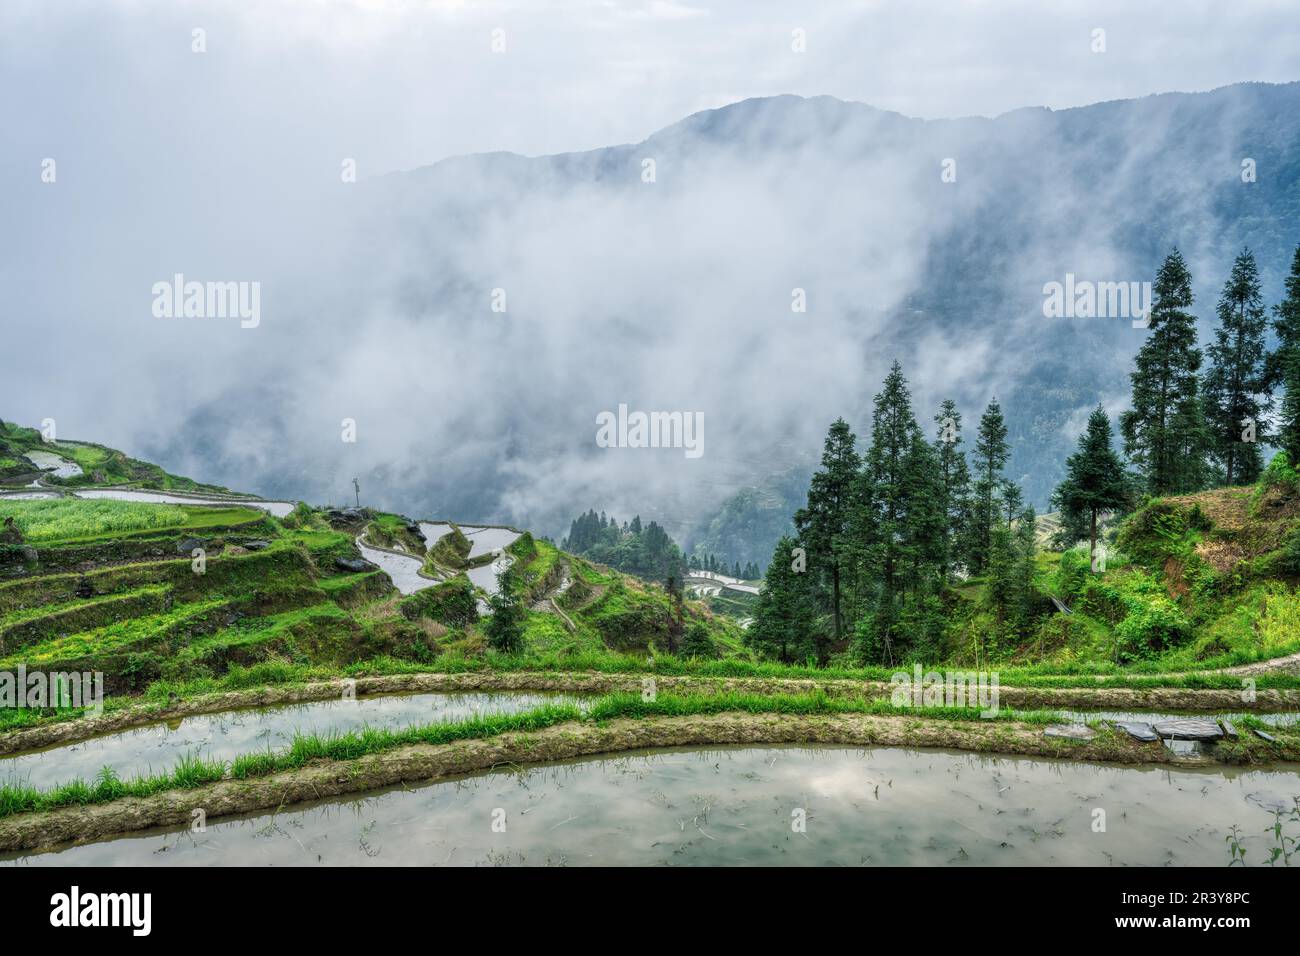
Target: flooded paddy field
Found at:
x=278, y=509
x=57, y=465
x=402, y=570
x=754, y=806
x=223, y=736
x=484, y=540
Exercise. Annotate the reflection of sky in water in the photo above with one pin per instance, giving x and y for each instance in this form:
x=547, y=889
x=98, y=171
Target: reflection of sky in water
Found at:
x=486, y=576
x=63, y=468
x=156, y=748
x=433, y=530
x=483, y=540
x=277, y=508
x=404, y=571
x=734, y=806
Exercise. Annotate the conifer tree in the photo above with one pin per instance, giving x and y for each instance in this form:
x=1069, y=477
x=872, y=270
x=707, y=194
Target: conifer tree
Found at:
x=1236, y=382
x=785, y=625
x=697, y=642
x=899, y=526
x=990, y=458
x=1284, y=364
x=1165, y=429
x=1000, y=575
x=954, y=476
x=677, y=621
x=1095, y=480
x=1013, y=500
x=505, y=628
x=926, y=544
x=822, y=524
x=1025, y=592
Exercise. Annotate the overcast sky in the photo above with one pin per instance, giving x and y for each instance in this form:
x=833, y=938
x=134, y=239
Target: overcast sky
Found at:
x=402, y=83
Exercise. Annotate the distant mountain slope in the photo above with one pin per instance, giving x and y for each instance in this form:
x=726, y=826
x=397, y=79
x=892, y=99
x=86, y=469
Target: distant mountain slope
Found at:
x=661, y=274
x=750, y=522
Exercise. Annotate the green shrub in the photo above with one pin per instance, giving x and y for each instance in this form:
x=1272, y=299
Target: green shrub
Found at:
x=524, y=548
x=300, y=517
x=698, y=643
x=1103, y=601
x=1073, y=572
x=1153, y=624
x=1158, y=531
x=452, y=603
x=451, y=550
x=1288, y=561
x=1280, y=473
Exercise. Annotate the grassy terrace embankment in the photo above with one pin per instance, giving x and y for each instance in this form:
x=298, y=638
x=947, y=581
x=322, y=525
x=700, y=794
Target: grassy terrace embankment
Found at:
x=316, y=767
x=1190, y=583
x=281, y=685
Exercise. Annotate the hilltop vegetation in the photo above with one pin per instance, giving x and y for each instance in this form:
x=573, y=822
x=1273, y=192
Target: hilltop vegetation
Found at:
x=173, y=594
x=99, y=464
x=644, y=550
x=909, y=550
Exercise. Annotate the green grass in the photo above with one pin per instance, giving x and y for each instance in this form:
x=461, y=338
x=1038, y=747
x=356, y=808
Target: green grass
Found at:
x=280, y=673
x=261, y=630
x=92, y=458
x=189, y=772
x=69, y=520
x=61, y=519
x=546, y=635
x=117, y=636
x=344, y=582
x=50, y=610
x=610, y=662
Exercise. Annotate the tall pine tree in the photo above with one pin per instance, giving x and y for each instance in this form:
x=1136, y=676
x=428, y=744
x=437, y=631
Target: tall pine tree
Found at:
x=1236, y=382
x=785, y=625
x=991, y=452
x=1024, y=610
x=1284, y=364
x=1095, y=480
x=899, y=528
x=1013, y=499
x=822, y=524
x=954, y=475
x=1165, y=430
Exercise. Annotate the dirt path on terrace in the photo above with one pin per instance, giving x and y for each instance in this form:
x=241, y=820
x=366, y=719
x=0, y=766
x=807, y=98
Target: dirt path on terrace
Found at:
x=428, y=763
x=1289, y=664
x=1021, y=698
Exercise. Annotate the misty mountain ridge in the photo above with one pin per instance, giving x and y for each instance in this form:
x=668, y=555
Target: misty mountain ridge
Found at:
x=676, y=294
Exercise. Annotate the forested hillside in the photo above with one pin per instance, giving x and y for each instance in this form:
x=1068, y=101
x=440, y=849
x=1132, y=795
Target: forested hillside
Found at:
x=910, y=547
